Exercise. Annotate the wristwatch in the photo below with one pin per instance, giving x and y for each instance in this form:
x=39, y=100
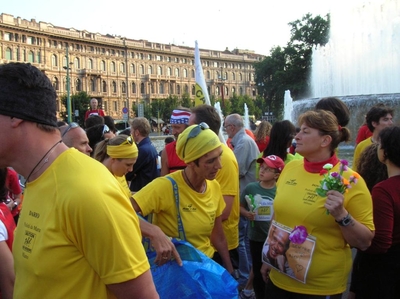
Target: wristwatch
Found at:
x=345, y=221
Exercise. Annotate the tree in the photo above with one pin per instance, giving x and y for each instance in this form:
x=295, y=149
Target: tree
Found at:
x=289, y=68
x=79, y=101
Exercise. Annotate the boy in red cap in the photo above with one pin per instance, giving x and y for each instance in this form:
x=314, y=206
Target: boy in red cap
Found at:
x=256, y=204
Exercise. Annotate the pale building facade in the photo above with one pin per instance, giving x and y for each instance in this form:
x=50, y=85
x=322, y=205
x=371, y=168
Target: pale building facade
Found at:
x=118, y=71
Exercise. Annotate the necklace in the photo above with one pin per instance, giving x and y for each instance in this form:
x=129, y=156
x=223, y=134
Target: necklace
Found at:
x=191, y=185
x=45, y=158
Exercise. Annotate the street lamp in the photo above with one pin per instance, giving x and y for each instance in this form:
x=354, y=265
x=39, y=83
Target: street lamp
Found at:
x=68, y=87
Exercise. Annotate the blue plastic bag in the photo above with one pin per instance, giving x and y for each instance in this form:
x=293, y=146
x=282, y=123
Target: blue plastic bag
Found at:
x=199, y=276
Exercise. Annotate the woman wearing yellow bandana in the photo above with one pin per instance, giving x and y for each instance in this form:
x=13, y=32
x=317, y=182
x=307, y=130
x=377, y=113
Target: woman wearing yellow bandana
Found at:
x=200, y=199
x=118, y=154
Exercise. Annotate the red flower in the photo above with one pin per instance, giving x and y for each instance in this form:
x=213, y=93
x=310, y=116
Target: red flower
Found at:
x=323, y=171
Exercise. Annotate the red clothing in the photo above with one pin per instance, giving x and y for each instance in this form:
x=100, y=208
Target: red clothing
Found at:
x=174, y=163
x=363, y=133
x=386, y=201
x=94, y=112
x=8, y=220
x=14, y=188
x=262, y=144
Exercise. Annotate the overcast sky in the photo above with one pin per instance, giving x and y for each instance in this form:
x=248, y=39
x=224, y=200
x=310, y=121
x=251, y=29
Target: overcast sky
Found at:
x=216, y=24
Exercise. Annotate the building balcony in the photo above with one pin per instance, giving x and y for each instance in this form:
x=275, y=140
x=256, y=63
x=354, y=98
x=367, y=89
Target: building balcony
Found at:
x=89, y=72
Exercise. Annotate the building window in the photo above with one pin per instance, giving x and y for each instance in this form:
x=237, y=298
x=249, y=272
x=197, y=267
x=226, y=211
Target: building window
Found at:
x=185, y=73
x=142, y=88
x=233, y=90
x=90, y=64
x=142, y=69
x=149, y=57
x=7, y=36
x=151, y=84
x=241, y=91
x=193, y=75
x=168, y=71
x=9, y=54
x=104, y=86
x=133, y=87
x=78, y=86
x=159, y=70
x=159, y=58
x=114, y=87
x=103, y=65
x=186, y=88
x=178, y=89
x=193, y=90
x=54, y=60
x=171, y=88
x=161, y=88
x=233, y=76
x=208, y=75
x=31, y=56
x=38, y=57
x=55, y=83
x=77, y=63
x=141, y=56
x=132, y=68
x=92, y=85
x=123, y=87
x=149, y=70
x=113, y=68
x=115, y=106
x=177, y=72
x=122, y=67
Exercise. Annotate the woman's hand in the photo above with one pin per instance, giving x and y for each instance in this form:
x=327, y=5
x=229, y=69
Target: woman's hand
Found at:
x=334, y=204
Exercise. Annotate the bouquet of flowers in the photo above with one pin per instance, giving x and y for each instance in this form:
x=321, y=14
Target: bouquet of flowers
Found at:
x=335, y=180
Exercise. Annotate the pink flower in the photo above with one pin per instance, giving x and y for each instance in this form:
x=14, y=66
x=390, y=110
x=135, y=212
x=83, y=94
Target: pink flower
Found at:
x=298, y=235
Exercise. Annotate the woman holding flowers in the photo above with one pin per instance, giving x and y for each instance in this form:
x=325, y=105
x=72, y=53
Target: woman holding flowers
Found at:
x=331, y=205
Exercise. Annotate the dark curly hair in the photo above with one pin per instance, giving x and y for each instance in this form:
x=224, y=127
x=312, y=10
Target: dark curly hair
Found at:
x=370, y=168
x=390, y=144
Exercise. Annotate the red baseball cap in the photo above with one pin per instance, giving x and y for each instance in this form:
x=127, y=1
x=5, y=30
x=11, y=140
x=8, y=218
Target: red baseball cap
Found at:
x=272, y=161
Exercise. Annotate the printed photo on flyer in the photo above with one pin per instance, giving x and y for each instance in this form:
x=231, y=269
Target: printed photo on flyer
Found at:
x=289, y=258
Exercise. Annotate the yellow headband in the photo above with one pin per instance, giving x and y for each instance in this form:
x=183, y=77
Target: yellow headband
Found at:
x=125, y=150
x=189, y=149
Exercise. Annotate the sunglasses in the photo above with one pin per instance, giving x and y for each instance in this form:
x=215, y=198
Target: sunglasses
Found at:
x=129, y=140
x=194, y=133
x=71, y=126
x=106, y=130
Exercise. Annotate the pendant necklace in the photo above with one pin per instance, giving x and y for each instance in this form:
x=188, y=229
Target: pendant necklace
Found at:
x=45, y=158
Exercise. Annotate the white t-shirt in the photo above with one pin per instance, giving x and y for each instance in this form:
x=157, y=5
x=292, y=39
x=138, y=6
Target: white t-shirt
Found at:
x=3, y=232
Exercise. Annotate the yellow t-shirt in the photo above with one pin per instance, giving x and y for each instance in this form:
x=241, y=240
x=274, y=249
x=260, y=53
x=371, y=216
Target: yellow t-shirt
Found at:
x=358, y=150
x=228, y=179
x=124, y=185
x=78, y=232
x=198, y=210
x=296, y=203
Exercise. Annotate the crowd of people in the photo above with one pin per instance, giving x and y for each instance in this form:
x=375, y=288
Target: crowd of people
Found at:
x=282, y=222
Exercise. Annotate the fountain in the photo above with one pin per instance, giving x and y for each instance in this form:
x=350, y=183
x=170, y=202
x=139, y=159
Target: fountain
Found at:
x=361, y=62
x=246, y=118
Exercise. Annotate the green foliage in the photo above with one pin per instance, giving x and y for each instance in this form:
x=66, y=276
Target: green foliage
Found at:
x=79, y=101
x=289, y=68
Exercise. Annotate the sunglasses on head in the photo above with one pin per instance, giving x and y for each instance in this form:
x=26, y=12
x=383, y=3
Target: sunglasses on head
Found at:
x=106, y=130
x=194, y=133
x=72, y=125
x=129, y=140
